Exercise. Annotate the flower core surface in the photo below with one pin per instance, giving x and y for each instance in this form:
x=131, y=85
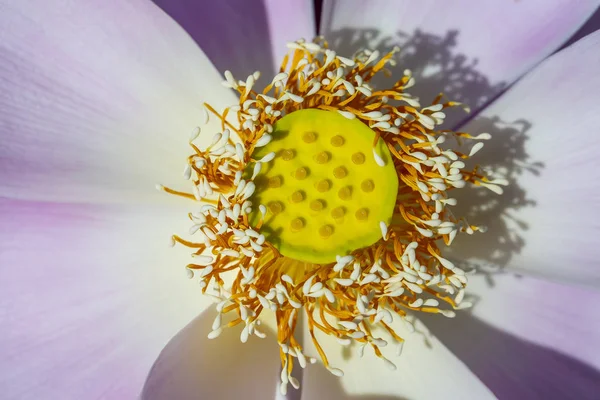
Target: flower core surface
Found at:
x=324, y=191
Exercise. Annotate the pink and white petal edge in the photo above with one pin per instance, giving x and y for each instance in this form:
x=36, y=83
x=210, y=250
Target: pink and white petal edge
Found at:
x=559, y=317
x=90, y=296
x=558, y=230
x=528, y=338
x=192, y=366
x=244, y=36
x=98, y=100
x=289, y=20
x=487, y=45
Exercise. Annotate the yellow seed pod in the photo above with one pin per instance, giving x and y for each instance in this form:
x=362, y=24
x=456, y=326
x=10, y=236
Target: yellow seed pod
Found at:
x=335, y=190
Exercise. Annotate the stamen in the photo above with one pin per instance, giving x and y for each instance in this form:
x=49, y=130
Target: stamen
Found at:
x=300, y=219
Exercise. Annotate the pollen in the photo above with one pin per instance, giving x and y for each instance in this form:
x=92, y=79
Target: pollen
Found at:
x=326, y=231
x=287, y=154
x=301, y=173
x=323, y=185
x=345, y=193
x=327, y=197
x=362, y=214
x=367, y=185
x=338, y=141
x=317, y=205
x=358, y=158
x=297, y=224
x=275, y=181
x=309, y=137
x=322, y=158
x=275, y=207
x=340, y=172
x=297, y=196
x=338, y=212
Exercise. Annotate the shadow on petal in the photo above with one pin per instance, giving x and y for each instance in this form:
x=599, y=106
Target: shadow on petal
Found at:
x=511, y=367
x=591, y=26
x=434, y=62
x=234, y=34
x=191, y=366
x=438, y=67
x=505, y=154
x=325, y=386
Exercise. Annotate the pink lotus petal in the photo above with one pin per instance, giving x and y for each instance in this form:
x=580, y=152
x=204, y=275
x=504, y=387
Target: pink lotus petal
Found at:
x=469, y=50
x=191, y=366
x=98, y=99
x=289, y=20
x=528, y=338
x=244, y=36
x=90, y=296
x=545, y=223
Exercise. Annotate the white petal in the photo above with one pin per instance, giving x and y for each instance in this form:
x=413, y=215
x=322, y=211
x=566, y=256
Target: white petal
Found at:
x=528, y=337
x=546, y=137
x=90, y=293
x=98, y=100
x=423, y=372
x=194, y=367
x=471, y=51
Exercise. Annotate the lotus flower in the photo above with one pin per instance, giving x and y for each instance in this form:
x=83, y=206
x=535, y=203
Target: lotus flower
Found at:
x=99, y=99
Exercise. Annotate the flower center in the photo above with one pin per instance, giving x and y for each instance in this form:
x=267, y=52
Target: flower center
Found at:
x=328, y=198
x=324, y=191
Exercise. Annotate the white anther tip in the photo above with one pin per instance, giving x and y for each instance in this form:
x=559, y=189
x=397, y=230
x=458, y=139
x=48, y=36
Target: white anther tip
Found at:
x=264, y=140
x=187, y=172
x=204, y=260
x=384, y=229
x=378, y=159
x=195, y=133
x=390, y=365
x=215, y=334
x=336, y=371
x=347, y=114
x=268, y=157
x=475, y=148
x=399, y=348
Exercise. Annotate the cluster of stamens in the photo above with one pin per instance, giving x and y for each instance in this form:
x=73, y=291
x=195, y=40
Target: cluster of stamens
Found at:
x=403, y=271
